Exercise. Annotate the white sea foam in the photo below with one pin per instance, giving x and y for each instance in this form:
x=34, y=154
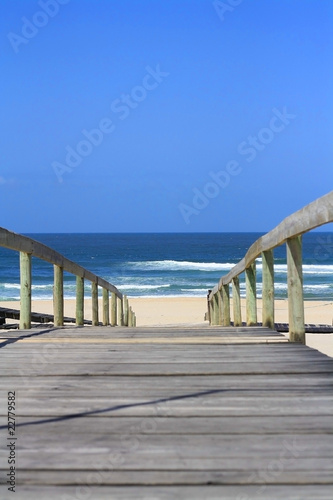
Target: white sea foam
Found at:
x=42, y=297
x=169, y=296
x=142, y=287
x=317, y=269
x=41, y=287
x=177, y=265
x=317, y=287
x=280, y=286
x=48, y=286
x=307, y=269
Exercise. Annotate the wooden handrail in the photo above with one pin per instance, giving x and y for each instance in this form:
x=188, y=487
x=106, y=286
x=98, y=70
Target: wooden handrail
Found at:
x=27, y=245
x=28, y=248
x=289, y=231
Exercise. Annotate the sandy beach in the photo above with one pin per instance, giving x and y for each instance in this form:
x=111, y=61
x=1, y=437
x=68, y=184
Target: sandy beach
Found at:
x=162, y=311
x=185, y=310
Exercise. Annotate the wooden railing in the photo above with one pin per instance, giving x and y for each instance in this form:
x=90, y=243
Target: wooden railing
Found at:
x=121, y=312
x=289, y=231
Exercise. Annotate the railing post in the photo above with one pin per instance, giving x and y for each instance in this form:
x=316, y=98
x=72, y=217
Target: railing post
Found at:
x=219, y=307
x=211, y=302
x=113, y=309
x=25, y=292
x=79, y=301
x=251, y=295
x=226, y=305
x=211, y=311
x=94, y=303
x=106, y=313
x=216, y=312
x=295, y=290
x=120, y=318
x=236, y=302
x=130, y=317
x=58, y=296
x=125, y=310
x=209, y=316
x=268, y=289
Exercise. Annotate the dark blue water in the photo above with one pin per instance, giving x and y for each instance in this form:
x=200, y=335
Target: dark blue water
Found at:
x=167, y=264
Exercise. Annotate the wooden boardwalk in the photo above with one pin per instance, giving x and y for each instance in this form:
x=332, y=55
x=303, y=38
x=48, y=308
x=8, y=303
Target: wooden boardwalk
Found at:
x=166, y=413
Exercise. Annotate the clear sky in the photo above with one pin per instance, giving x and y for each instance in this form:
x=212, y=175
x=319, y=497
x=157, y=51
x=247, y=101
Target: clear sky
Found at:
x=163, y=115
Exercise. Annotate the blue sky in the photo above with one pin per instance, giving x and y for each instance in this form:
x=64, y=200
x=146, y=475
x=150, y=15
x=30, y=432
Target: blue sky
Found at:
x=150, y=115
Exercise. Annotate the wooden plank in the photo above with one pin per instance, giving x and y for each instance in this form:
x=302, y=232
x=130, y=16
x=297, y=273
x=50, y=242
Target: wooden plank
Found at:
x=163, y=389
x=198, y=477
x=184, y=355
x=160, y=491
x=237, y=404
x=182, y=445
x=170, y=451
x=167, y=340
x=172, y=425
x=179, y=369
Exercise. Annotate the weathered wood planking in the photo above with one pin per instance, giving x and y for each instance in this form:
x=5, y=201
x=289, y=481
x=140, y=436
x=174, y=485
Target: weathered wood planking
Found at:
x=112, y=413
x=178, y=425
x=230, y=492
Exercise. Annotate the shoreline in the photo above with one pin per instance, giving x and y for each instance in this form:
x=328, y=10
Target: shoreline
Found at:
x=167, y=311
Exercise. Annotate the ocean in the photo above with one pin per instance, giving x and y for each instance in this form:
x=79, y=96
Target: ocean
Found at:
x=167, y=264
